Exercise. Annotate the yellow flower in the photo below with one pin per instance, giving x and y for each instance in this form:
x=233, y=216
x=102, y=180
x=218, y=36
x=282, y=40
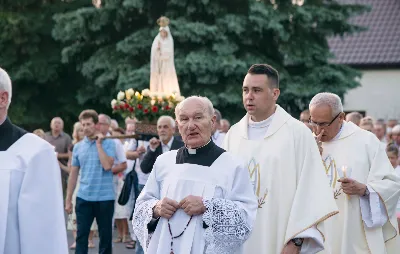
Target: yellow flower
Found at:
x=127, y=95
x=137, y=94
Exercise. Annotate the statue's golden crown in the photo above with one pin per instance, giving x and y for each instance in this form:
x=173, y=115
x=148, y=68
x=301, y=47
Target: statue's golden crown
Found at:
x=163, y=21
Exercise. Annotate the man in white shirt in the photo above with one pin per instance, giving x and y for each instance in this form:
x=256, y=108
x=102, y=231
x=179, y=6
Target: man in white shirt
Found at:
x=363, y=182
x=285, y=167
x=218, y=136
x=198, y=199
x=31, y=204
x=167, y=142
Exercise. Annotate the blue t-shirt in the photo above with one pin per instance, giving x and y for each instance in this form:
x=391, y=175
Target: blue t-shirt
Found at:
x=96, y=184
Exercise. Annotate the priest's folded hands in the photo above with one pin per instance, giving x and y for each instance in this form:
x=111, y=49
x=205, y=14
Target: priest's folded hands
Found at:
x=191, y=205
x=352, y=187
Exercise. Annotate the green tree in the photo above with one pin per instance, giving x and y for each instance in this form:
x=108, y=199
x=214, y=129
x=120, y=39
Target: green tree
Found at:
x=42, y=86
x=215, y=43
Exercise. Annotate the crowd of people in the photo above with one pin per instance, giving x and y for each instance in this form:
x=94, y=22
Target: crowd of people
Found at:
x=130, y=154
x=328, y=183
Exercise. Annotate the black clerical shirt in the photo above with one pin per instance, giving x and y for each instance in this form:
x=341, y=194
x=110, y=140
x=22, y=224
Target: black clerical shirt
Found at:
x=203, y=156
x=9, y=134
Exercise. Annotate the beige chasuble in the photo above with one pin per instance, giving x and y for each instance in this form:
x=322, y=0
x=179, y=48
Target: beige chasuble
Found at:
x=357, y=228
x=288, y=177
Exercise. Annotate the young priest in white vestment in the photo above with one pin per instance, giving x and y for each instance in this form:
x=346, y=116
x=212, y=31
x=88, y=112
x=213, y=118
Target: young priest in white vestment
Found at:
x=363, y=182
x=31, y=202
x=285, y=169
x=198, y=199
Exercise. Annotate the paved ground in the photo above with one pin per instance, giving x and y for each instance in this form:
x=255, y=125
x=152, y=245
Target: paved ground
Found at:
x=119, y=248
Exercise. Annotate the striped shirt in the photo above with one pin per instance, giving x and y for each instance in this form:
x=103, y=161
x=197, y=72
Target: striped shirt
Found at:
x=96, y=184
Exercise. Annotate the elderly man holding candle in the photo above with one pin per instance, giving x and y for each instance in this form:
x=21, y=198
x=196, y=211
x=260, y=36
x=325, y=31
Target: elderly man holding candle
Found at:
x=364, y=183
x=198, y=199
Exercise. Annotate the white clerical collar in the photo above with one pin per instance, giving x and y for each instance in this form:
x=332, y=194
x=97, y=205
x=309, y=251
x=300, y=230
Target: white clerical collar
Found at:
x=169, y=144
x=3, y=120
x=194, y=150
x=262, y=124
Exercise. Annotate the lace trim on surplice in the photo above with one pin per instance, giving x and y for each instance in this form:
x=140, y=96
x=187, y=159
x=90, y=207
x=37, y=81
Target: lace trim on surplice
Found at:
x=227, y=227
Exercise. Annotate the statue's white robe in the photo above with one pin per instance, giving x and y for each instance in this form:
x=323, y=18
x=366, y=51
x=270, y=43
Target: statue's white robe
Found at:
x=31, y=201
x=362, y=225
x=285, y=168
x=163, y=78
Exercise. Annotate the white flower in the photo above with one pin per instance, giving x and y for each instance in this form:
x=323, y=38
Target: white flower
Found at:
x=121, y=96
x=146, y=92
x=130, y=92
x=113, y=103
x=152, y=102
x=154, y=94
x=180, y=98
x=137, y=94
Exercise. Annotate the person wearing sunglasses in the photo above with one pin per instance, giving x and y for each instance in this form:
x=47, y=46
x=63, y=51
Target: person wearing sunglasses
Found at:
x=363, y=182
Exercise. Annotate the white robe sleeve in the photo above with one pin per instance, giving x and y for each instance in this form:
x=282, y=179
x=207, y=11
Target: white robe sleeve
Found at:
x=143, y=213
x=40, y=207
x=373, y=210
x=230, y=220
x=313, y=241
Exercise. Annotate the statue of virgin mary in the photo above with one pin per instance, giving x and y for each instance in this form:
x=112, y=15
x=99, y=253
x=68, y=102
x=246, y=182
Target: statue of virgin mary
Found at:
x=163, y=77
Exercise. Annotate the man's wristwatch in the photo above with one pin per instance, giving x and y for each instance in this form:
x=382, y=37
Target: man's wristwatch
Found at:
x=298, y=241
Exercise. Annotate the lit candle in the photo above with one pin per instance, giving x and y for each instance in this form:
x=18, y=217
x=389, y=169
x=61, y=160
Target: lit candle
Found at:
x=344, y=169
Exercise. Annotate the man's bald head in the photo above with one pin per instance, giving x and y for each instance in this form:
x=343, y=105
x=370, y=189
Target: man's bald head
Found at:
x=354, y=117
x=5, y=90
x=205, y=103
x=196, y=120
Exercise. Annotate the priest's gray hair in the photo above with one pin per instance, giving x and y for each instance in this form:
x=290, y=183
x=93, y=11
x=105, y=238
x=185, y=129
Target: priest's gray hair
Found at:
x=329, y=99
x=170, y=119
x=5, y=84
x=207, y=104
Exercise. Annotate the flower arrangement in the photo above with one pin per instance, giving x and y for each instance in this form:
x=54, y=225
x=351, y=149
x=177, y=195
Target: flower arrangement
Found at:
x=146, y=106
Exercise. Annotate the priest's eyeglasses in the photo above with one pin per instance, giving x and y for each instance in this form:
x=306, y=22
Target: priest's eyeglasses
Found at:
x=323, y=125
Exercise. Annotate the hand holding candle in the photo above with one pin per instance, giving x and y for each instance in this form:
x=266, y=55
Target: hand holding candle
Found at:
x=350, y=186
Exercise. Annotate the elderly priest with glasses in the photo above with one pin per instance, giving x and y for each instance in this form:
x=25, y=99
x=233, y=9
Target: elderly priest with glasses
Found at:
x=362, y=179
x=31, y=202
x=198, y=199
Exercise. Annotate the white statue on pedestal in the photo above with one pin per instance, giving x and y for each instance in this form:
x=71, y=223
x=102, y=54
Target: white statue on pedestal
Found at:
x=163, y=77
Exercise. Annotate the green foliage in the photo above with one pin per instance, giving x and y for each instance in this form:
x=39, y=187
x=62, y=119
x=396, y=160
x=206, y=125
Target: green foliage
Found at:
x=42, y=86
x=67, y=56
x=215, y=44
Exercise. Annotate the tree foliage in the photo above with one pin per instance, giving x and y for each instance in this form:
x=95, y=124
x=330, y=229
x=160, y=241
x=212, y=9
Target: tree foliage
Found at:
x=42, y=86
x=90, y=54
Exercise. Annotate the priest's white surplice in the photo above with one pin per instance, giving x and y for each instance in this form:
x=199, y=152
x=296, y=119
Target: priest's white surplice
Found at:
x=362, y=225
x=227, y=194
x=31, y=201
x=285, y=168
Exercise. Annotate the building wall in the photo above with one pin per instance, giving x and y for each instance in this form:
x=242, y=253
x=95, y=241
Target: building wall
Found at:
x=378, y=95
